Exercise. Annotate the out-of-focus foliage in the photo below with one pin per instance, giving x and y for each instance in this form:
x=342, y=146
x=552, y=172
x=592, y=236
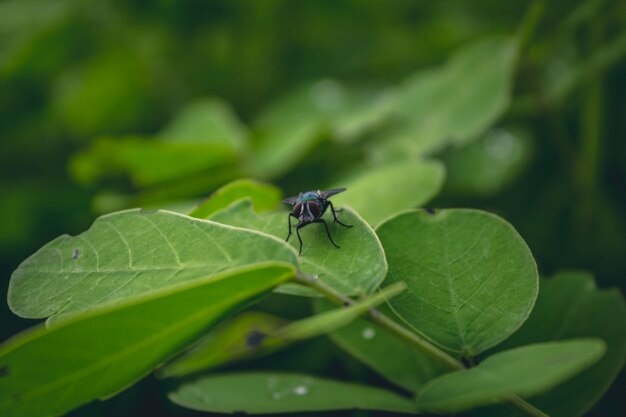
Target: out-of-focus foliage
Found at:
x=512, y=107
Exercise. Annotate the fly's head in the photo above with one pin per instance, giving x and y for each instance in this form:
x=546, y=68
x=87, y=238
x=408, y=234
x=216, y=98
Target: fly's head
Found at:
x=309, y=206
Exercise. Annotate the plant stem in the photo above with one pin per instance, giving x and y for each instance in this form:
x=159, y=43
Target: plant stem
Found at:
x=412, y=338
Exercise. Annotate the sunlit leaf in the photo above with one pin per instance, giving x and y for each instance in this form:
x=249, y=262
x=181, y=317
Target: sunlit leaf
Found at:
x=264, y=197
x=524, y=372
x=471, y=279
x=49, y=372
x=266, y=392
x=130, y=253
x=148, y=161
x=207, y=121
x=380, y=192
x=358, y=267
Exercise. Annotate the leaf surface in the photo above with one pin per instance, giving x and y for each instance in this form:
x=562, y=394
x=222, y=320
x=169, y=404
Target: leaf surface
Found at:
x=130, y=253
x=358, y=267
x=266, y=392
x=51, y=371
x=471, y=279
x=524, y=371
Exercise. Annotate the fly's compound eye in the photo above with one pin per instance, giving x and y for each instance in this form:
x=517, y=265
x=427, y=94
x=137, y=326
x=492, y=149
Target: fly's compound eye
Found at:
x=315, y=209
x=297, y=208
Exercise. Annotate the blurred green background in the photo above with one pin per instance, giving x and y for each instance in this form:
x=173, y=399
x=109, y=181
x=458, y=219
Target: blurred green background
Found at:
x=78, y=78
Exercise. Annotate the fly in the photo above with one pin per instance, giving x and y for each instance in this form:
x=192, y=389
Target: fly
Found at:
x=309, y=207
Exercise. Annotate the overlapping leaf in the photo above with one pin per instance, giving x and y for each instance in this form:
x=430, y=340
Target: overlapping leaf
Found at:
x=385, y=353
x=471, y=279
x=263, y=196
x=130, y=253
x=524, y=371
x=48, y=372
x=570, y=306
x=259, y=333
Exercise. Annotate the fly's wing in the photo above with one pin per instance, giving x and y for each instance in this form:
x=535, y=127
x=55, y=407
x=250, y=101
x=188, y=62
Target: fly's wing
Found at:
x=290, y=200
x=330, y=193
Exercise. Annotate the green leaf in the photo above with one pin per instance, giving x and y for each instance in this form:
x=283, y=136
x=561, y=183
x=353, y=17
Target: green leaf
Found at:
x=266, y=392
x=131, y=253
x=569, y=305
x=385, y=353
x=295, y=125
x=147, y=161
x=358, y=267
x=450, y=104
x=524, y=371
x=264, y=197
x=253, y=334
x=207, y=121
x=471, y=279
x=49, y=372
x=383, y=191
x=459, y=101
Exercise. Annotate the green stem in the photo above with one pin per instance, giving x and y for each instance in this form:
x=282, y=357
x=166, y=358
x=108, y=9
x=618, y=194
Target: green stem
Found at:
x=413, y=339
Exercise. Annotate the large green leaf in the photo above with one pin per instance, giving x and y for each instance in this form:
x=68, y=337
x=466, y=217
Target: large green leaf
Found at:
x=383, y=191
x=384, y=352
x=130, y=253
x=258, y=333
x=207, y=121
x=569, y=305
x=472, y=280
x=266, y=392
x=147, y=161
x=264, y=197
x=358, y=267
x=460, y=100
x=49, y=372
x=452, y=103
x=524, y=371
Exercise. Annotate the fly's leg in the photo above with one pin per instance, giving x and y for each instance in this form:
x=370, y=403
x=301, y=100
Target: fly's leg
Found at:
x=327, y=231
x=332, y=208
x=298, y=227
x=289, y=220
